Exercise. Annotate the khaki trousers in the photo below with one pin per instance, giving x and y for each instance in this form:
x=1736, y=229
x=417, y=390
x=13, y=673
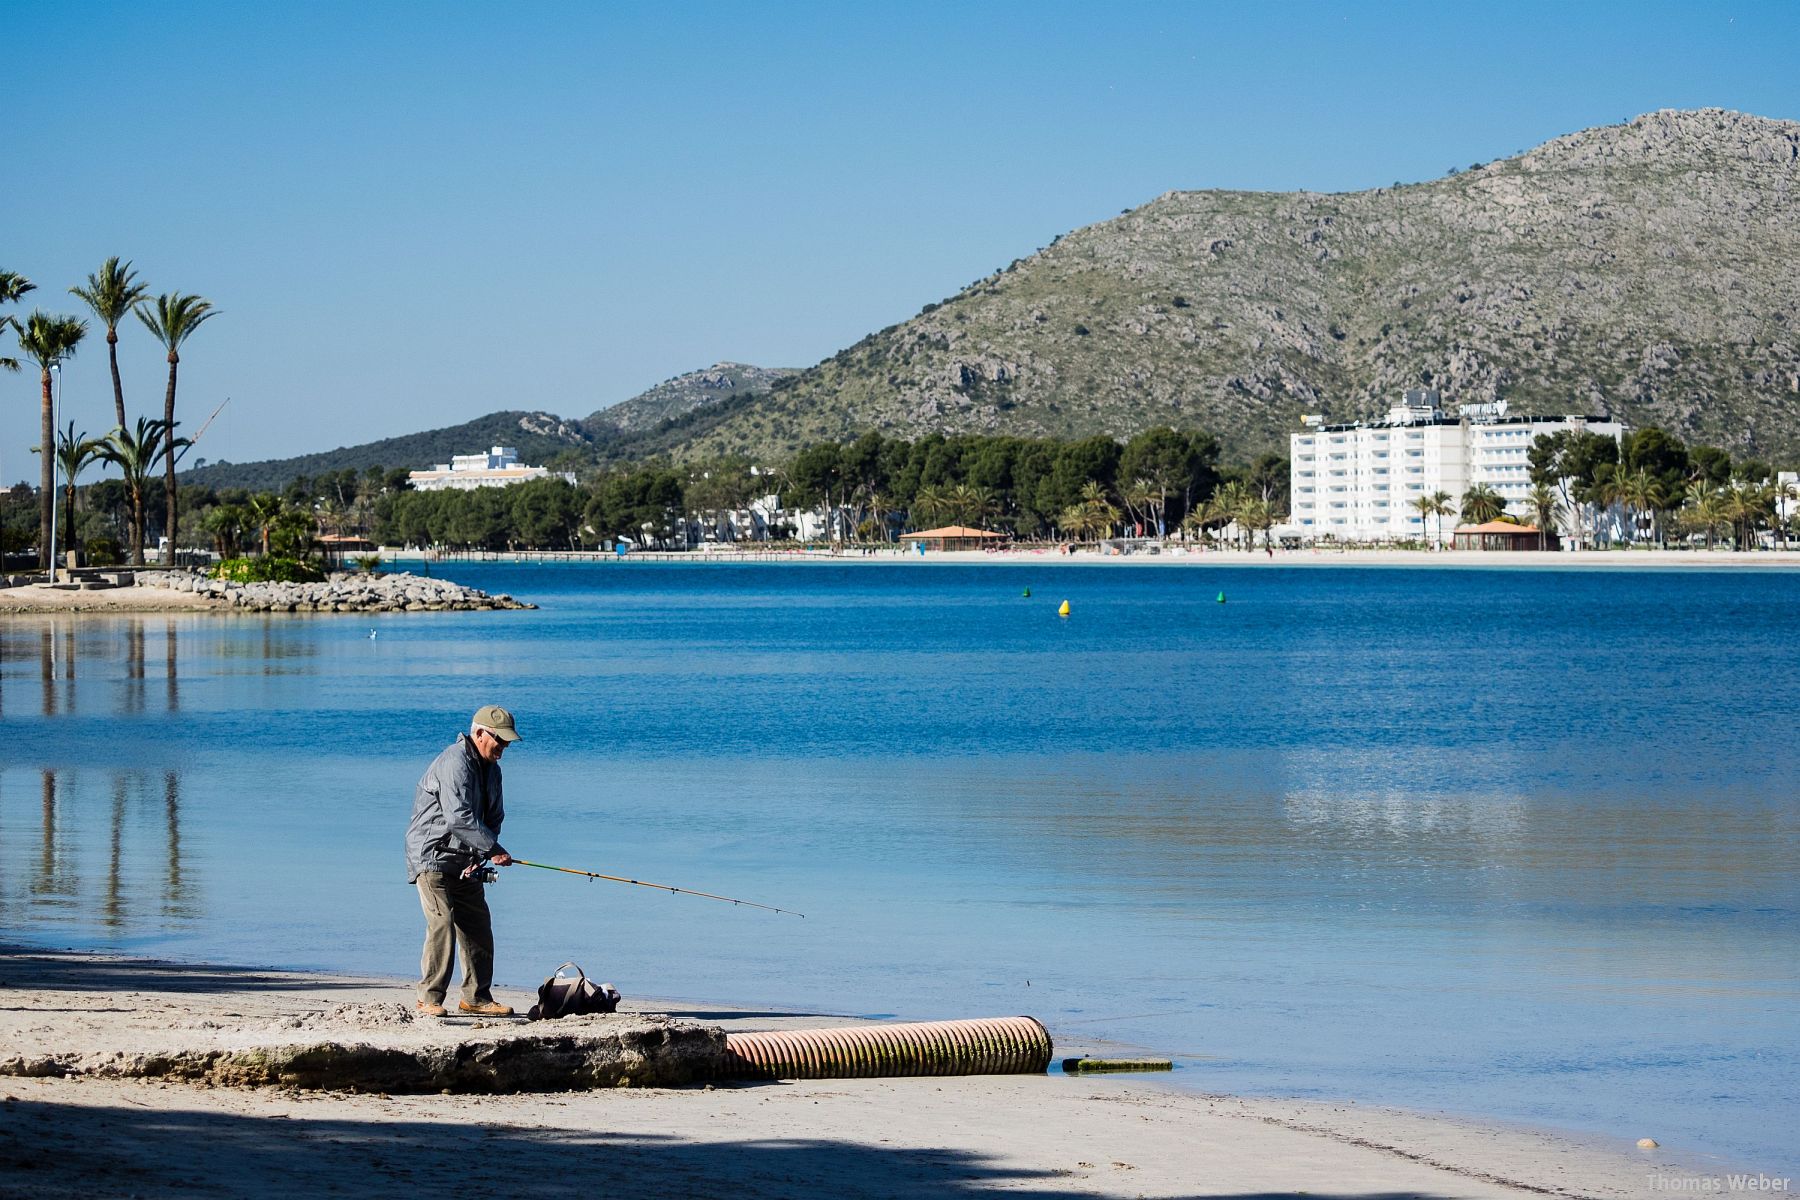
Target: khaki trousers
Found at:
x=456, y=914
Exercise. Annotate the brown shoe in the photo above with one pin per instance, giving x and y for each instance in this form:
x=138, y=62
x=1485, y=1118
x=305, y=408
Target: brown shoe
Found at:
x=489, y=1009
x=426, y=1009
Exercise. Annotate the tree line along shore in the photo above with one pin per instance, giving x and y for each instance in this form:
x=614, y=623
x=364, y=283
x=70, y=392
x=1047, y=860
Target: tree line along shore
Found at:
x=875, y=490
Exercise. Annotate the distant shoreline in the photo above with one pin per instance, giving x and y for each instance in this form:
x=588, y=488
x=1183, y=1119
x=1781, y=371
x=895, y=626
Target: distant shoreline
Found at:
x=1551, y=559
x=143, y=601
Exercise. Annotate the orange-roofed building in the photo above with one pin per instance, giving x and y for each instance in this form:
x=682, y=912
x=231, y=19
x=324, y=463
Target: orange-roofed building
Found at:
x=955, y=537
x=1499, y=535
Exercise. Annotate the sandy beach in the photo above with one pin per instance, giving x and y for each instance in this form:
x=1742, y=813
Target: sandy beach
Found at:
x=1050, y=1135
x=38, y=598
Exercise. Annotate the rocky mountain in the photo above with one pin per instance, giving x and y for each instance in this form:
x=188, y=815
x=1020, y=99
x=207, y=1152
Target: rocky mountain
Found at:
x=682, y=395
x=1644, y=271
x=539, y=437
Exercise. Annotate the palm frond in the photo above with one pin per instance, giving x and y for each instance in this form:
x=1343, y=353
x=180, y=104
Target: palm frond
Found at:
x=112, y=292
x=172, y=317
x=13, y=285
x=47, y=339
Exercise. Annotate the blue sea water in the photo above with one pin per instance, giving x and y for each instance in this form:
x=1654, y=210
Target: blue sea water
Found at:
x=1511, y=843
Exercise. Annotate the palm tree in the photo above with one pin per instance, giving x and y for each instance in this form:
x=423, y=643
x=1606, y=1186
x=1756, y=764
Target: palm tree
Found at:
x=1544, y=503
x=1706, y=508
x=226, y=523
x=1746, y=504
x=1642, y=493
x=173, y=320
x=12, y=286
x=1781, y=495
x=1229, y=504
x=1139, y=498
x=73, y=453
x=1426, y=505
x=111, y=293
x=1481, y=504
x=1442, y=507
x=134, y=452
x=1101, y=511
x=930, y=504
x=1607, y=490
x=264, y=508
x=48, y=341
x=1161, y=481
x=1256, y=515
x=971, y=506
x=1092, y=514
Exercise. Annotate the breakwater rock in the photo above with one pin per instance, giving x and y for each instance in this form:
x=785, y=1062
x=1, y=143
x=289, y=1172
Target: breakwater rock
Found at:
x=342, y=592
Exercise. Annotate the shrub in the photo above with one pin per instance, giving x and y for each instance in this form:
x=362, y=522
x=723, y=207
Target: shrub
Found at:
x=102, y=552
x=369, y=564
x=267, y=570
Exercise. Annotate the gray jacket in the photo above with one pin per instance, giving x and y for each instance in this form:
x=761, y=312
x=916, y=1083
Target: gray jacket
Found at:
x=457, y=811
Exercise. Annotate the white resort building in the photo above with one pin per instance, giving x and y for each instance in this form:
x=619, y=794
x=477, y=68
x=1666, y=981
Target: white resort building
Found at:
x=1358, y=482
x=499, y=467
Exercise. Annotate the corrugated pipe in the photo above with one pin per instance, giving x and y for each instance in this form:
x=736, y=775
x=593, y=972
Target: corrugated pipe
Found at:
x=991, y=1046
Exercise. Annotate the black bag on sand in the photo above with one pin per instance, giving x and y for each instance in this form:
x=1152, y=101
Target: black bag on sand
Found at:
x=564, y=997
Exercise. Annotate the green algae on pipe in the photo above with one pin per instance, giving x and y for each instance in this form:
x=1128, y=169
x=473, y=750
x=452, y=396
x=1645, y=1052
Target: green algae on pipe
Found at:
x=1088, y=1066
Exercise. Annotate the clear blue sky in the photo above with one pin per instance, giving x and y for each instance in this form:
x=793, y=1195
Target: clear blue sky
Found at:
x=415, y=214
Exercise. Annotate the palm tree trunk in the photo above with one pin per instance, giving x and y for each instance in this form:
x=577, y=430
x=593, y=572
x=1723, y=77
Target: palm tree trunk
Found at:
x=137, y=526
x=46, y=476
x=169, y=453
x=112, y=353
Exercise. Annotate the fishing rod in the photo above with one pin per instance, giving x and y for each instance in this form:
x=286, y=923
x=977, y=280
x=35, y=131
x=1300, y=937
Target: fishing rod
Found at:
x=659, y=886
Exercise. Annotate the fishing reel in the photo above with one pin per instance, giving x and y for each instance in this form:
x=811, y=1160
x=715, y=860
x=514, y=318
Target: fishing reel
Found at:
x=481, y=872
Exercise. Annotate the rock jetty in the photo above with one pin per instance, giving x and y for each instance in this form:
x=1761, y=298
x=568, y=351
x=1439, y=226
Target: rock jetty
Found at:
x=343, y=592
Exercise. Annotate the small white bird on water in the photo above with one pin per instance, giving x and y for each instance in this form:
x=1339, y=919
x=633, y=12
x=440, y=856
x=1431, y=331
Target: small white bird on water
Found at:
x=371, y=635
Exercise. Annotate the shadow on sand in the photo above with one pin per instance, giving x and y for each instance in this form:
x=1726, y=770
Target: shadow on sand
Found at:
x=50, y=1150
x=52, y=970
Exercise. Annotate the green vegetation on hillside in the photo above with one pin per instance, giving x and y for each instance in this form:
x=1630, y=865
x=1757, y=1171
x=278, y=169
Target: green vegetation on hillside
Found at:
x=539, y=438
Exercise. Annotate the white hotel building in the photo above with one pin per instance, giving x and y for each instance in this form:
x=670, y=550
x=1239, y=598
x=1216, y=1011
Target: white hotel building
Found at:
x=499, y=467
x=1358, y=482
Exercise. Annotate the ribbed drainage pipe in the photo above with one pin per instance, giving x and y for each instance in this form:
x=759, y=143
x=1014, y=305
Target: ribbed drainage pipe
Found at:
x=991, y=1046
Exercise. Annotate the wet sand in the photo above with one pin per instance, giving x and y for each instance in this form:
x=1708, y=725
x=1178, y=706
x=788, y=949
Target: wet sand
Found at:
x=1051, y=1135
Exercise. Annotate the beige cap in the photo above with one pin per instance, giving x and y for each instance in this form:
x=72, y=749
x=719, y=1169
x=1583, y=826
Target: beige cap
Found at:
x=497, y=721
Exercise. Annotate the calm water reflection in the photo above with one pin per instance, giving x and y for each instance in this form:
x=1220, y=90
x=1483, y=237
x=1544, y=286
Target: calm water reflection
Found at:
x=1516, y=843
x=82, y=669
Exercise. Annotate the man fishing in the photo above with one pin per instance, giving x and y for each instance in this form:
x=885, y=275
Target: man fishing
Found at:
x=457, y=812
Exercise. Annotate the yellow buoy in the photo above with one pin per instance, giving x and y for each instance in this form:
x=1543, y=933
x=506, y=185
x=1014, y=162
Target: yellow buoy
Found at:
x=1063, y=609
